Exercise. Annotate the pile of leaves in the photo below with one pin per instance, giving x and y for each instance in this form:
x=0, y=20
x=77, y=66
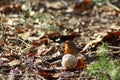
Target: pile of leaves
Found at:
x=33, y=35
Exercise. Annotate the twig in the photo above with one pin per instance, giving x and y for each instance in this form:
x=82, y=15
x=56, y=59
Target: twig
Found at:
x=20, y=40
x=108, y=76
x=40, y=77
x=2, y=35
x=112, y=6
x=114, y=47
x=115, y=52
x=80, y=77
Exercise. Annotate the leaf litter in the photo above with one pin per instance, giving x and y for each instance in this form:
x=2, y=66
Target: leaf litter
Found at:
x=32, y=39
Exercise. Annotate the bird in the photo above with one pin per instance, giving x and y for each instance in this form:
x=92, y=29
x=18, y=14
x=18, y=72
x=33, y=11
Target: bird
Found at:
x=71, y=58
x=70, y=48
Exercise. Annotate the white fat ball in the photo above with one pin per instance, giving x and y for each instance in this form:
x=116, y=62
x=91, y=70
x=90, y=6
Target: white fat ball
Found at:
x=69, y=61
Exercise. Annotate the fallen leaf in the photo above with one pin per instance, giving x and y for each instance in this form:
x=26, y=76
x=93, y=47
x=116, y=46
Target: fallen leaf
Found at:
x=81, y=64
x=14, y=62
x=57, y=75
x=41, y=50
x=4, y=59
x=5, y=69
x=70, y=36
x=91, y=44
x=56, y=35
x=20, y=30
x=8, y=8
x=55, y=5
x=40, y=42
x=51, y=35
x=27, y=36
x=110, y=37
x=4, y=20
x=82, y=6
x=48, y=73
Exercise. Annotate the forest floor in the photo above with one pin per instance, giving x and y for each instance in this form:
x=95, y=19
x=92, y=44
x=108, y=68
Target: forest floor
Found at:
x=33, y=35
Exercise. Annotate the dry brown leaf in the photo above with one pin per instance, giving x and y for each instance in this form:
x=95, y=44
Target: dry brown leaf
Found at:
x=20, y=30
x=110, y=37
x=47, y=72
x=55, y=5
x=51, y=35
x=56, y=35
x=82, y=6
x=92, y=43
x=10, y=8
x=4, y=59
x=41, y=50
x=57, y=75
x=27, y=36
x=14, y=62
x=4, y=20
x=81, y=64
x=70, y=36
x=40, y=42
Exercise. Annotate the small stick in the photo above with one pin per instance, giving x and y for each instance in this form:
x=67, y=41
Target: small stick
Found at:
x=111, y=5
x=114, y=47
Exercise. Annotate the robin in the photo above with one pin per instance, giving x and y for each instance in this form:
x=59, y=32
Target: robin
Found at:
x=71, y=58
x=70, y=48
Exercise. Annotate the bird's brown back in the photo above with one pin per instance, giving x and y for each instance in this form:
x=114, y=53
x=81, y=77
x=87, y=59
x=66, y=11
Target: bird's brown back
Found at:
x=70, y=48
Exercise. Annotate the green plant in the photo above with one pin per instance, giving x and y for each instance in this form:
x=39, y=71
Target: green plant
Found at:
x=105, y=68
